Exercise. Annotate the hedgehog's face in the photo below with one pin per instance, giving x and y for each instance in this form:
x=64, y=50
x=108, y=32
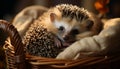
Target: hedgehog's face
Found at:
x=63, y=27
x=68, y=28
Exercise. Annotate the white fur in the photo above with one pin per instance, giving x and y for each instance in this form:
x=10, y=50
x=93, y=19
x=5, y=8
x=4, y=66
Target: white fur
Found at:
x=65, y=25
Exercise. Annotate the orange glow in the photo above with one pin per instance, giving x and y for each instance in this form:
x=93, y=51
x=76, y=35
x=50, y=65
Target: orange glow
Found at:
x=101, y=6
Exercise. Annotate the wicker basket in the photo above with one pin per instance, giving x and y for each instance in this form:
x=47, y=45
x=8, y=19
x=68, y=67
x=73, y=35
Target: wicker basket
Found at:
x=17, y=58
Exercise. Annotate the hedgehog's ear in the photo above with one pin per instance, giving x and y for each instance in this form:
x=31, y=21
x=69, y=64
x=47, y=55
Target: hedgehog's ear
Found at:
x=52, y=16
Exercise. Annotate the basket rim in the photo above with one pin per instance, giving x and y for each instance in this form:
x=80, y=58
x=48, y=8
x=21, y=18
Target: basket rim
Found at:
x=63, y=63
x=16, y=42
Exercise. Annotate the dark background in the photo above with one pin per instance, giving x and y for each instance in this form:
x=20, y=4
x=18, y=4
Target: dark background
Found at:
x=9, y=8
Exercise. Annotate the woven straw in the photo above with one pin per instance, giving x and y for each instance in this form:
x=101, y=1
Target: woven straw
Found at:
x=17, y=58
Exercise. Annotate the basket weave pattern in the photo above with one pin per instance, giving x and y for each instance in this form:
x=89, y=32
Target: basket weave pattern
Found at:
x=17, y=58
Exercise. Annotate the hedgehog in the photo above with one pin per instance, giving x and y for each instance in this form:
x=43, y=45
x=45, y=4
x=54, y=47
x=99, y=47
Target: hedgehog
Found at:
x=69, y=21
x=58, y=28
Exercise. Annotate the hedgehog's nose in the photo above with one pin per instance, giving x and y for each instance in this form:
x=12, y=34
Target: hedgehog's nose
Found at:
x=66, y=38
x=69, y=39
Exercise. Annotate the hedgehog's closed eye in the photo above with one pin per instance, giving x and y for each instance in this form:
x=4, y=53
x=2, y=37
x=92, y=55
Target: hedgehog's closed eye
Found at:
x=74, y=32
x=89, y=24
